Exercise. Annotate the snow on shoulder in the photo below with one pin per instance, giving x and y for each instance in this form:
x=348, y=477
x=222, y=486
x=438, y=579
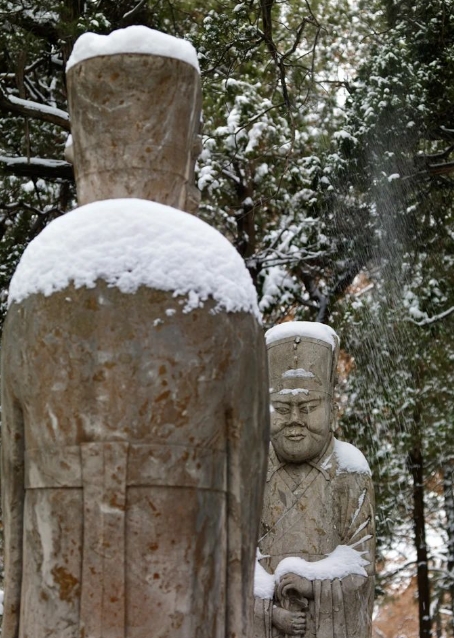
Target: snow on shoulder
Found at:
x=134, y=39
x=312, y=329
x=130, y=243
x=350, y=459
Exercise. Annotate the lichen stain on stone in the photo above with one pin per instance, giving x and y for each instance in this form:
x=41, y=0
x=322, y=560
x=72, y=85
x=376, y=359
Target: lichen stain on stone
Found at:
x=91, y=304
x=67, y=583
x=99, y=376
x=143, y=408
x=116, y=503
x=164, y=395
x=177, y=619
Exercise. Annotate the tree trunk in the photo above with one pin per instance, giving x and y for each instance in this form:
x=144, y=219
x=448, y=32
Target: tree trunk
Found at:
x=416, y=467
x=449, y=508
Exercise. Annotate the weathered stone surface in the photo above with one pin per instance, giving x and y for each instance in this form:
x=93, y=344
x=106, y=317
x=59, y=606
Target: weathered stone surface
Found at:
x=133, y=459
x=135, y=120
x=134, y=434
x=318, y=499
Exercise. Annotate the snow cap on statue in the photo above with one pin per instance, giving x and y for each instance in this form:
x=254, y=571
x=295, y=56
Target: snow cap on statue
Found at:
x=302, y=355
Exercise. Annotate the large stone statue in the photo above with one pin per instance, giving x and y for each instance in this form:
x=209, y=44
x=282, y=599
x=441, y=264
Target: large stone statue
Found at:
x=315, y=571
x=134, y=408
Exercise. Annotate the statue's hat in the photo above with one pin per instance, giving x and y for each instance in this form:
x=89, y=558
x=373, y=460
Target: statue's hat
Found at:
x=302, y=354
x=135, y=101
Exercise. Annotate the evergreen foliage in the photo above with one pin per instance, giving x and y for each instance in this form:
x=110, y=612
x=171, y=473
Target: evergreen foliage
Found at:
x=337, y=207
x=394, y=179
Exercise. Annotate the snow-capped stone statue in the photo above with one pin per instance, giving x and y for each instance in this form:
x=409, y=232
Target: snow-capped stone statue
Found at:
x=134, y=407
x=315, y=568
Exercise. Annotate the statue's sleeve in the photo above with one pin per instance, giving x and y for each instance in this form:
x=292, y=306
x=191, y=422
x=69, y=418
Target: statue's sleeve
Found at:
x=263, y=617
x=352, y=597
x=343, y=607
x=12, y=466
x=358, y=517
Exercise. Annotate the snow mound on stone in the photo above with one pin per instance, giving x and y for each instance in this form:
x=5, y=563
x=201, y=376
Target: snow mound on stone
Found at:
x=312, y=329
x=343, y=561
x=134, y=39
x=264, y=583
x=130, y=243
x=350, y=459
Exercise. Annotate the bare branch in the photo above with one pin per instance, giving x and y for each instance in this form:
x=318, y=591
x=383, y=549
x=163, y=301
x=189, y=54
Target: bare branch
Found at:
x=37, y=167
x=425, y=157
x=440, y=169
x=429, y=320
x=130, y=14
x=35, y=110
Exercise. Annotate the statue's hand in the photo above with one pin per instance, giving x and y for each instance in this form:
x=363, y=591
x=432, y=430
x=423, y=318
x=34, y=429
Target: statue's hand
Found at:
x=292, y=623
x=295, y=587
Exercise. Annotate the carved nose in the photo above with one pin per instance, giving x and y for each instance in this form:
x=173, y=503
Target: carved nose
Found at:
x=295, y=414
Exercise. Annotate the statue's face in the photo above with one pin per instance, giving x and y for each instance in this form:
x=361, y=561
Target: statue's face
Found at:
x=300, y=425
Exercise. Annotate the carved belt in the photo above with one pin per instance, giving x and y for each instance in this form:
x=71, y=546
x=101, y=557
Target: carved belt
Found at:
x=104, y=471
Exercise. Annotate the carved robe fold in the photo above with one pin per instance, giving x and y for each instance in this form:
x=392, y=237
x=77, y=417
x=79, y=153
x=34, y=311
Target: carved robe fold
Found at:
x=327, y=505
x=131, y=505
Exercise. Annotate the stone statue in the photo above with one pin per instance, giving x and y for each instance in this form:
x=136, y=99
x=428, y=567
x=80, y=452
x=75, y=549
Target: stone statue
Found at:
x=134, y=408
x=315, y=573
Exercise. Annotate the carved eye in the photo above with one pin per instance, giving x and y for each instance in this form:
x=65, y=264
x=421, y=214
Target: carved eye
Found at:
x=281, y=409
x=307, y=408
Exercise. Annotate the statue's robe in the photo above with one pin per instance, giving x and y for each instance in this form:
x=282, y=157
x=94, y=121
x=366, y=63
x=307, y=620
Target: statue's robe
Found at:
x=131, y=500
x=331, y=503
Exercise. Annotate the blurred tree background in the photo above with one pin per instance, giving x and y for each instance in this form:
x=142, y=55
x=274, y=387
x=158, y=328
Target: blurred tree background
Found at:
x=328, y=156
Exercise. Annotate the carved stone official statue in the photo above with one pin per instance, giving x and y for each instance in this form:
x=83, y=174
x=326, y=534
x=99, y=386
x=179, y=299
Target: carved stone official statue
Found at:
x=134, y=407
x=314, y=576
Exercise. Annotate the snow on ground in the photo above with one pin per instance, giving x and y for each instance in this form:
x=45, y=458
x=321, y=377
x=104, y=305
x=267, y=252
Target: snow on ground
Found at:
x=130, y=243
x=134, y=39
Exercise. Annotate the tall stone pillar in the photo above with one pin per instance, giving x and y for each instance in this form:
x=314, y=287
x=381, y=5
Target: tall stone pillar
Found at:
x=135, y=409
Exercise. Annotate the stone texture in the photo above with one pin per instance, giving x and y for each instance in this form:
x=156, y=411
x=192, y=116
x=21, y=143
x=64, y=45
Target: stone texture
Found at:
x=134, y=435
x=134, y=121
x=315, y=500
x=128, y=473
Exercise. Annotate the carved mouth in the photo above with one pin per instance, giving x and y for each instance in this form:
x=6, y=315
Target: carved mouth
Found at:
x=295, y=436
